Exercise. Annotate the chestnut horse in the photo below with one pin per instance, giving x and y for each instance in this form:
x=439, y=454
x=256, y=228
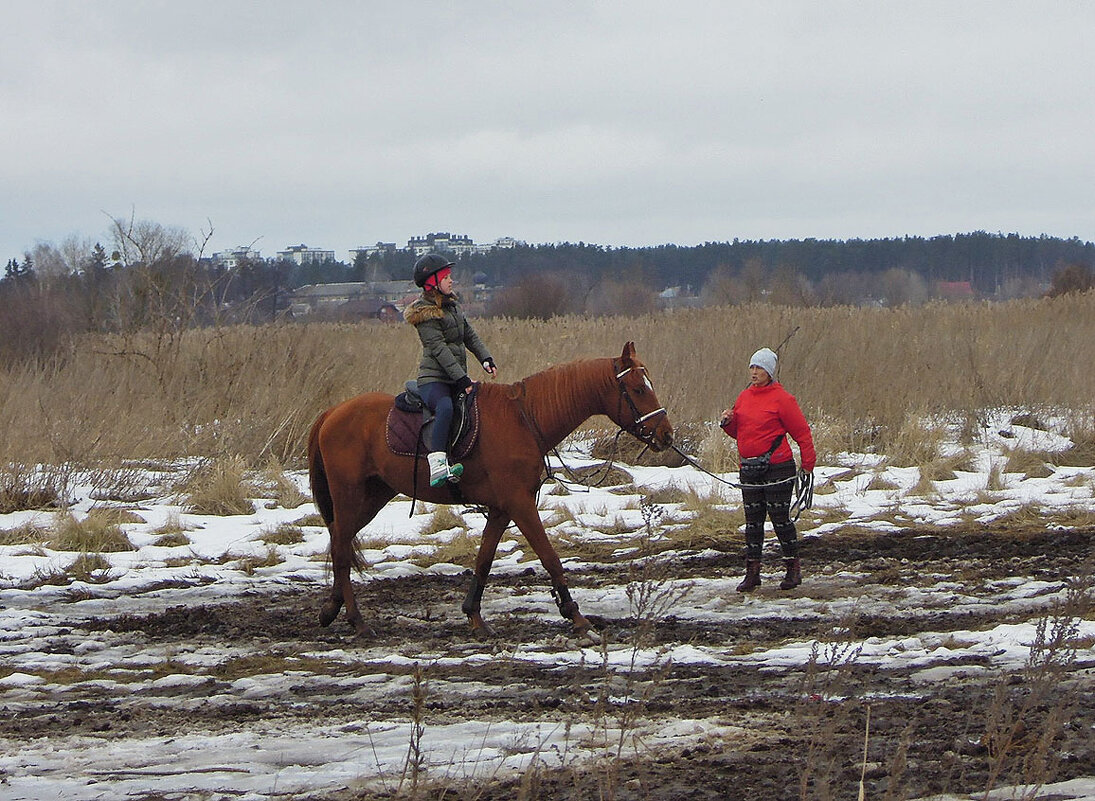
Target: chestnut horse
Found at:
x=354, y=473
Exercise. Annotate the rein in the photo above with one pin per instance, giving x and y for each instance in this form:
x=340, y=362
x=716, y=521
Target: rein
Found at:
x=636, y=428
x=534, y=427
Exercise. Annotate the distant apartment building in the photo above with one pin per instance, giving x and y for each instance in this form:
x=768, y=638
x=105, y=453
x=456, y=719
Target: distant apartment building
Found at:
x=443, y=242
x=230, y=259
x=380, y=248
x=302, y=254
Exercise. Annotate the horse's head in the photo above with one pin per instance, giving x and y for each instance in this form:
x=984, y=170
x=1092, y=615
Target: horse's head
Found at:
x=637, y=409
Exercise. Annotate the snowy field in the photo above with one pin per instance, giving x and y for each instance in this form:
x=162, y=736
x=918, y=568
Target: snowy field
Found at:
x=195, y=669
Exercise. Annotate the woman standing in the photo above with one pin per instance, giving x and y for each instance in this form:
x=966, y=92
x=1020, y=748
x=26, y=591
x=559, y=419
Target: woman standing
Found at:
x=760, y=420
x=446, y=337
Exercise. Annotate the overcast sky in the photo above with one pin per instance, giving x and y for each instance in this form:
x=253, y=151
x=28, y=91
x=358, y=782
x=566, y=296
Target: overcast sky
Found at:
x=339, y=124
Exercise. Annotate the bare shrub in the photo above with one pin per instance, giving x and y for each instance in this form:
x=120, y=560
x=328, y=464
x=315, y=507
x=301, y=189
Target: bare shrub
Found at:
x=1027, y=716
x=25, y=487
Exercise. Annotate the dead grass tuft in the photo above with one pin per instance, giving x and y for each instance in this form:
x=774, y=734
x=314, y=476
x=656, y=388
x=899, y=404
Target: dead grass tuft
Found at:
x=1032, y=464
x=218, y=487
x=26, y=534
x=88, y=536
x=442, y=519
x=92, y=568
x=284, y=534
x=249, y=564
x=281, y=487
x=711, y=527
x=460, y=549
x=114, y=515
x=914, y=442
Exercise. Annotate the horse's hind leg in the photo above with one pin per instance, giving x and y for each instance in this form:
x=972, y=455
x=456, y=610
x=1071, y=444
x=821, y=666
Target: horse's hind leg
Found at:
x=351, y=515
x=497, y=520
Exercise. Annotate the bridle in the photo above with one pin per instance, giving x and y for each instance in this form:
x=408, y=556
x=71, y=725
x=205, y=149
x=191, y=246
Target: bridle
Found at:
x=637, y=428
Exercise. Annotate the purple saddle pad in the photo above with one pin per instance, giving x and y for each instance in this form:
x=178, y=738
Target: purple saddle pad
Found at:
x=404, y=431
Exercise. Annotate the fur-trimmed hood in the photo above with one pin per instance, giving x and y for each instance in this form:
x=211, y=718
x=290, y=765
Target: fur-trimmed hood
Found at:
x=430, y=306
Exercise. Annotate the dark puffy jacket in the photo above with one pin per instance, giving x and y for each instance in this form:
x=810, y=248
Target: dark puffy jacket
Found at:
x=446, y=337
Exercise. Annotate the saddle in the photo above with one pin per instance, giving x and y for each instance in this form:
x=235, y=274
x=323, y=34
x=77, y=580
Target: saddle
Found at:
x=409, y=422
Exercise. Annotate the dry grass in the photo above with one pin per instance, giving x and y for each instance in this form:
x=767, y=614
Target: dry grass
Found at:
x=26, y=534
x=1032, y=464
x=113, y=515
x=255, y=391
x=441, y=519
x=280, y=487
x=92, y=568
x=26, y=487
x=457, y=550
x=87, y=536
x=284, y=534
x=219, y=487
x=249, y=564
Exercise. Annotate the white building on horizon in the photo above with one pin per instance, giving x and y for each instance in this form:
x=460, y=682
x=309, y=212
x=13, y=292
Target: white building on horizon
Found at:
x=302, y=254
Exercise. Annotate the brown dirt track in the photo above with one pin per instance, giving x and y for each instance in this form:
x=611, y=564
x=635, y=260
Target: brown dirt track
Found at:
x=796, y=732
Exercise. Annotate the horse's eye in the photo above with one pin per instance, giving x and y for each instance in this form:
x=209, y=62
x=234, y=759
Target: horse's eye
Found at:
x=640, y=390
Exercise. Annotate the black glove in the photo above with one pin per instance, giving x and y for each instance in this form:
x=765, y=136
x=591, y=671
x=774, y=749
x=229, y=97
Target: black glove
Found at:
x=464, y=383
x=488, y=365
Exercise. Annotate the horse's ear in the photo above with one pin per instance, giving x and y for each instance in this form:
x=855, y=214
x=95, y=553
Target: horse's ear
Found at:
x=628, y=355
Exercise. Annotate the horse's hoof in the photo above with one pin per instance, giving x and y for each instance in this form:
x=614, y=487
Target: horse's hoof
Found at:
x=362, y=630
x=327, y=617
x=585, y=631
x=479, y=628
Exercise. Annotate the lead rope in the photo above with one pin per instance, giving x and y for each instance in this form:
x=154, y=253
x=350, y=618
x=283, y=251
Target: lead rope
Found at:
x=803, y=489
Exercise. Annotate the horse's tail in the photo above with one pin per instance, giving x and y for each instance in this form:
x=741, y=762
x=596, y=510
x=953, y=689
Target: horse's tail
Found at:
x=317, y=475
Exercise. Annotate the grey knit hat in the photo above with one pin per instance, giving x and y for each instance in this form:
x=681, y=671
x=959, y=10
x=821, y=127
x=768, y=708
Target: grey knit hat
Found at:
x=766, y=359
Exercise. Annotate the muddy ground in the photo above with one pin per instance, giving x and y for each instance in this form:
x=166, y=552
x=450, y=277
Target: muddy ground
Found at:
x=795, y=731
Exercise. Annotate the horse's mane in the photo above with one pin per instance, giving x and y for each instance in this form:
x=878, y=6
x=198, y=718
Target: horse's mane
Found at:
x=563, y=391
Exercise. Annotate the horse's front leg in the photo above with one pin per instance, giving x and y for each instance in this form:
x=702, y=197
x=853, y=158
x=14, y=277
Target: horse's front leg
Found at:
x=497, y=520
x=528, y=520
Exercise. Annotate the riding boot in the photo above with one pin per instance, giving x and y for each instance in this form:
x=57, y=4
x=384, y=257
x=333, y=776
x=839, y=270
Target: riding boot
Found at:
x=455, y=471
x=439, y=468
x=794, y=574
x=752, y=576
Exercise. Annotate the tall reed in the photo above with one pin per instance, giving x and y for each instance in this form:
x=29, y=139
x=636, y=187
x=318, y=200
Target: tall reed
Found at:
x=254, y=391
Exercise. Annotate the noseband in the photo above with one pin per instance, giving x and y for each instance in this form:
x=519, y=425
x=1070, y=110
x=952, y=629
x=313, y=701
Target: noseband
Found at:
x=637, y=428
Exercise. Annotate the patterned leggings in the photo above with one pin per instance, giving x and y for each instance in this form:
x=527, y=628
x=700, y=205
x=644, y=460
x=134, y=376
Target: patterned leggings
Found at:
x=773, y=501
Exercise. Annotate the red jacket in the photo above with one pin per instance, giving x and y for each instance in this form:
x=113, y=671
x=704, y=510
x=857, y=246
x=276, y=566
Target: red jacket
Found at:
x=763, y=413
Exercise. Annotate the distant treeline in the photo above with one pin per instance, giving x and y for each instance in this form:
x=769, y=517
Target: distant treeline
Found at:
x=152, y=279
x=987, y=261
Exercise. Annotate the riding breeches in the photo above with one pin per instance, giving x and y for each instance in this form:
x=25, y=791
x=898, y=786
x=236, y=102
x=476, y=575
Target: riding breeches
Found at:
x=437, y=395
x=773, y=501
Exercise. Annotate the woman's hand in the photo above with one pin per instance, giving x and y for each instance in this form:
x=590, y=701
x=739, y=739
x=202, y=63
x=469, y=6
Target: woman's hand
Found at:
x=726, y=417
x=490, y=367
